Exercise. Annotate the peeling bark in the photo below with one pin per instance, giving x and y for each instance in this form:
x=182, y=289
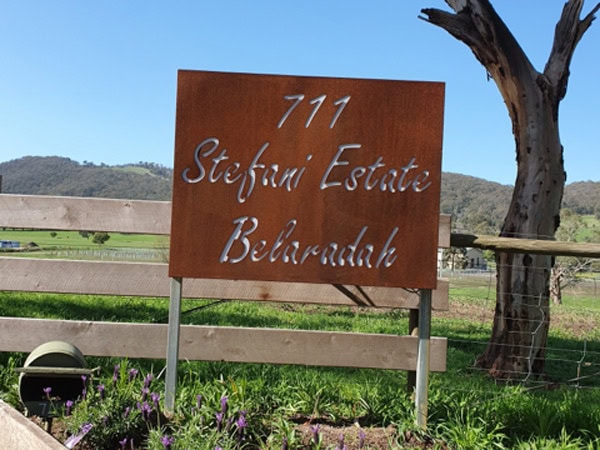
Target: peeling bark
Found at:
x=555, y=285
x=521, y=320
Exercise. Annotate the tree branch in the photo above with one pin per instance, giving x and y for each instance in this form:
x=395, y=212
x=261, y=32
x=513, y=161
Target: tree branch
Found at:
x=457, y=5
x=458, y=25
x=568, y=32
x=477, y=24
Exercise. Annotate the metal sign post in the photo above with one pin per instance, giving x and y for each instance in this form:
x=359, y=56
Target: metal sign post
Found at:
x=423, y=357
x=173, y=343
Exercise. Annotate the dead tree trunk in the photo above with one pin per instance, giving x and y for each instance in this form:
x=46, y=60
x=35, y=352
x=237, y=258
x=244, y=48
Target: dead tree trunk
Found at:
x=555, y=284
x=521, y=319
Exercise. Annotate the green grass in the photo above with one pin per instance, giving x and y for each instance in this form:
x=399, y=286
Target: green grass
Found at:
x=134, y=169
x=72, y=239
x=71, y=245
x=590, y=229
x=467, y=409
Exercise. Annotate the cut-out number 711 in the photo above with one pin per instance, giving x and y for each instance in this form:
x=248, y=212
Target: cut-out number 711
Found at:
x=317, y=102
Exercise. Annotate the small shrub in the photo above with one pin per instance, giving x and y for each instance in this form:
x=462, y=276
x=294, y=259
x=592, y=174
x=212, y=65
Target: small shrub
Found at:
x=9, y=381
x=100, y=238
x=120, y=409
x=468, y=432
x=125, y=411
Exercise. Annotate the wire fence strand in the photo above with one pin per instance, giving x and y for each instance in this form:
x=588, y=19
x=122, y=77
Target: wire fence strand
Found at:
x=572, y=350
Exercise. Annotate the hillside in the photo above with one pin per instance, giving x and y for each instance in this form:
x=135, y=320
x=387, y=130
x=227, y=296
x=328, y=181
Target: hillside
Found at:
x=476, y=205
x=583, y=197
x=62, y=176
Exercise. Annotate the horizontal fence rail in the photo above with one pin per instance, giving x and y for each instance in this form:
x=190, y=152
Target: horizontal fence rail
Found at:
x=233, y=344
x=99, y=214
x=533, y=246
x=151, y=280
x=85, y=214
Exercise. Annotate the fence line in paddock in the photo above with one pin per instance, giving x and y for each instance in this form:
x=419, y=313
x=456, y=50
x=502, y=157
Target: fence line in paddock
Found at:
x=572, y=353
x=146, y=279
x=411, y=352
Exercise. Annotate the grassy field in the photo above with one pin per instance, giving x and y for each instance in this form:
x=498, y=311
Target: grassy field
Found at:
x=72, y=245
x=467, y=409
x=304, y=407
x=590, y=230
x=71, y=239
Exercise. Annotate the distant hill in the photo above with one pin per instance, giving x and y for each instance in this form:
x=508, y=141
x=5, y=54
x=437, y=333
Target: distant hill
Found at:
x=54, y=175
x=476, y=205
x=479, y=206
x=583, y=197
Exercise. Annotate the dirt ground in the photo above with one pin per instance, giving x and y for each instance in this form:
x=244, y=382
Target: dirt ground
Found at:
x=330, y=437
x=576, y=324
x=374, y=438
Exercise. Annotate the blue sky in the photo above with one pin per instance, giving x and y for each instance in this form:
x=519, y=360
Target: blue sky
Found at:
x=96, y=81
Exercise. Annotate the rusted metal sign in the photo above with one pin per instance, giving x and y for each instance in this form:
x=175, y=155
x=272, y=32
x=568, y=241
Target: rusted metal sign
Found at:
x=307, y=179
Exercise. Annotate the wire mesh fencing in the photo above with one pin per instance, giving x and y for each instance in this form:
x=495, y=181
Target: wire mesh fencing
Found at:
x=572, y=319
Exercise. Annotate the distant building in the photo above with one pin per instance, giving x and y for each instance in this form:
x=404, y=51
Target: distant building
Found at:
x=9, y=244
x=475, y=260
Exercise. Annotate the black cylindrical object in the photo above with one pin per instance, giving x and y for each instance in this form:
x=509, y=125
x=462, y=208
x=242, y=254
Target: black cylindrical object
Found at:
x=52, y=374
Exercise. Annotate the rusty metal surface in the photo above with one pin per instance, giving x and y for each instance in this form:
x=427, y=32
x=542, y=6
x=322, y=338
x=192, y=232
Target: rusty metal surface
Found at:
x=306, y=179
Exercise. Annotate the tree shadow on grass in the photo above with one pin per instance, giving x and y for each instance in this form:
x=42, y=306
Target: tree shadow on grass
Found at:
x=81, y=307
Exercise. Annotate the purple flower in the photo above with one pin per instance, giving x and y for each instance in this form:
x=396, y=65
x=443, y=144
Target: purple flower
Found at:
x=341, y=442
x=147, y=380
x=123, y=443
x=361, y=438
x=127, y=411
x=74, y=439
x=219, y=417
x=115, y=376
x=167, y=441
x=224, y=404
x=241, y=422
x=84, y=389
x=69, y=405
x=315, y=432
x=155, y=397
x=146, y=409
x=47, y=391
x=145, y=391
x=198, y=401
x=101, y=391
x=284, y=443
x=132, y=374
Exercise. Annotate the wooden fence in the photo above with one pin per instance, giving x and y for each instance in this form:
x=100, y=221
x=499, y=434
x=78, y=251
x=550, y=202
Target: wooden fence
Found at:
x=136, y=340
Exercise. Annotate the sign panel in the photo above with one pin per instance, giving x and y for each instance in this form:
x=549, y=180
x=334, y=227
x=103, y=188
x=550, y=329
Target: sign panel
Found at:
x=307, y=179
